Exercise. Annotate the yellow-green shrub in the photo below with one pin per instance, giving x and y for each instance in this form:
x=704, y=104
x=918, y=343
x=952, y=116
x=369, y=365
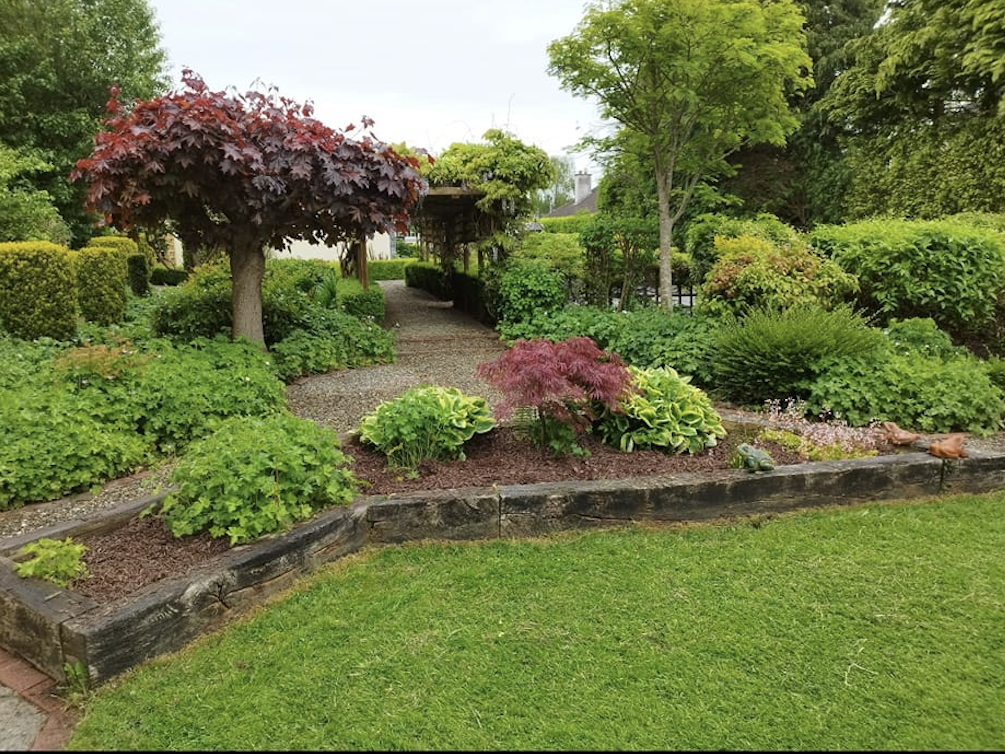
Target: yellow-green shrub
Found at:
x=101, y=284
x=37, y=290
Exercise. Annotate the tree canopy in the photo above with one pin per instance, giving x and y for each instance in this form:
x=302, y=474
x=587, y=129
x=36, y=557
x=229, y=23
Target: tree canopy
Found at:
x=695, y=79
x=245, y=172
x=58, y=59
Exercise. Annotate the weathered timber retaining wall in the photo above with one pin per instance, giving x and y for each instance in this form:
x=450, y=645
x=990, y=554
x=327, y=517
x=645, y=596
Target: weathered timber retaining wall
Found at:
x=51, y=627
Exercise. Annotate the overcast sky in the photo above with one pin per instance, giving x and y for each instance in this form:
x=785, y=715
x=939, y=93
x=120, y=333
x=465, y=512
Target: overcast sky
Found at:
x=427, y=72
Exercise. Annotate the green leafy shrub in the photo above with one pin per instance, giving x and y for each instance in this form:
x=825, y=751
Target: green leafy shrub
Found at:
x=921, y=335
x=256, y=475
x=425, y=422
x=429, y=277
x=359, y=302
x=770, y=354
x=335, y=340
x=661, y=410
x=701, y=232
x=138, y=272
x=167, y=276
x=57, y=442
x=945, y=270
x=57, y=561
x=645, y=337
x=914, y=391
x=752, y=272
x=620, y=252
x=561, y=382
x=526, y=287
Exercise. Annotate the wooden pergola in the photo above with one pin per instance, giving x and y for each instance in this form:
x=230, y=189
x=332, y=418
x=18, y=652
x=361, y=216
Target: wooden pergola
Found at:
x=447, y=216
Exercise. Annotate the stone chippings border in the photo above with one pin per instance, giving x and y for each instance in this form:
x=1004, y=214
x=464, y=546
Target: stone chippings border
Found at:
x=50, y=627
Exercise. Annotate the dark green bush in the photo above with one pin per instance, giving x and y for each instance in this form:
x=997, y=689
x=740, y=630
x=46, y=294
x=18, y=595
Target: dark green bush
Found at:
x=138, y=274
x=429, y=277
x=773, y=355
x=167, y=276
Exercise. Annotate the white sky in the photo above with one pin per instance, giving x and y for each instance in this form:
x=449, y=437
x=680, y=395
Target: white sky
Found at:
x=427, y=72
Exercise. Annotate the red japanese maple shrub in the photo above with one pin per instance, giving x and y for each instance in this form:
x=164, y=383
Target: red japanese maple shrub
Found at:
x=561, y=380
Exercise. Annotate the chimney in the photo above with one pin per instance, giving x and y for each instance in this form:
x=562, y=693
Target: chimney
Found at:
x=582, y=186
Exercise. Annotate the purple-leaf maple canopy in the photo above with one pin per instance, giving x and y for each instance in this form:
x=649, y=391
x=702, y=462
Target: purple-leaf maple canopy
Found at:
x=234, y=170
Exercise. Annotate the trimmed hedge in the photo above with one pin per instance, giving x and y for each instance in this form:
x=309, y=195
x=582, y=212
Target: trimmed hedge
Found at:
x=38, y=295
x=101, y=284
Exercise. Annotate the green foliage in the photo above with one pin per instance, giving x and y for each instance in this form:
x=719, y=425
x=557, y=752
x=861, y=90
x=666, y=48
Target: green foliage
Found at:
x=754, y=273
x=390, y=269
x=102, y=283
x=809, y=450
x=364, y=304
x=950, y=272
x=256, y=475
x=646, y=337
x=568, y=224
x=701, y=232
x=561, y=251
x=914, y=391
x=620, y=253
x=661, y=410
x=27, y=214
x=123, y=244
x=428, y=277
x=726, y=69
x=524, y=288
x=38, y=295
x=334, y=340
x=920, y=335
x=167, y=276
x=773, y=355
x=57, y=62
x=58, y=561
x=407, y=250
x=138, y=273
x=425, y=422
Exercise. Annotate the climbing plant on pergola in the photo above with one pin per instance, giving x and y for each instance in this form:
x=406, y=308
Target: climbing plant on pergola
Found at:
x=479, y=194
x=245, y=173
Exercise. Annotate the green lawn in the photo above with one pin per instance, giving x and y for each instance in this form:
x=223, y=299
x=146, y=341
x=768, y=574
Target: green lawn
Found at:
x=879, y=627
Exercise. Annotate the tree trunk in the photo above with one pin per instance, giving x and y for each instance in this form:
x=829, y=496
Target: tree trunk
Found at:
x=666, y=239
x=247, y=268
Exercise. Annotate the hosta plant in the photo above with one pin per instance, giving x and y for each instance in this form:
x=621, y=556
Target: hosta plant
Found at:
x=663, y=410
x=255, y=475
x=425, y=422
x=59, y=561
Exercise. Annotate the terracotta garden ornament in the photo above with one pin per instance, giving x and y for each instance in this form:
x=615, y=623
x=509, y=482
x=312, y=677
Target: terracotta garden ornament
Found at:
x=950, y=446
x=897, y=436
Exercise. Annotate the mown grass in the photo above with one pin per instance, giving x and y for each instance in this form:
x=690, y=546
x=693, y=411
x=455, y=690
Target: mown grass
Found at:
x=880, y=627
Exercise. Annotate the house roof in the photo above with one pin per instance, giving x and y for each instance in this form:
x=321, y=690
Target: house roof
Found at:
x=588, y=204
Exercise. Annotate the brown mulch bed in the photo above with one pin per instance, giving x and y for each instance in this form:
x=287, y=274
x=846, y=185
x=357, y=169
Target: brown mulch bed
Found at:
x=143, y=551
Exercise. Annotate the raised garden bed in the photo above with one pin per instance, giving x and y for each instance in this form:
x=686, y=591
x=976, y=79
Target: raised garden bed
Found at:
x=56, y=629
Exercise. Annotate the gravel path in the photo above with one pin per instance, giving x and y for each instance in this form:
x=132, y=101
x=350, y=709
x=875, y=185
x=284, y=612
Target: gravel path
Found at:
x=435, y=344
